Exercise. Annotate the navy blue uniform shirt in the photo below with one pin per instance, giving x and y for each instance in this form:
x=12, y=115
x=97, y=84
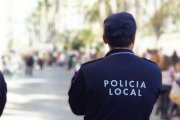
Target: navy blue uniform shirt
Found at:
x=3, y=92
x=120, y=86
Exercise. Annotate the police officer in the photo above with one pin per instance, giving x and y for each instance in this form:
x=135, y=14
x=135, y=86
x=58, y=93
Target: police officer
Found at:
x=119, y=86
x=3, y=91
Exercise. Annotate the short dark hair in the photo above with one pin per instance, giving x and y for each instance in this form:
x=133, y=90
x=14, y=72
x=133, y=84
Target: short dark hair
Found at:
x=119, y=29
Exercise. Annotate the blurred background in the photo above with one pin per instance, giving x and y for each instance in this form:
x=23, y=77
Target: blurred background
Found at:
x=42, y=43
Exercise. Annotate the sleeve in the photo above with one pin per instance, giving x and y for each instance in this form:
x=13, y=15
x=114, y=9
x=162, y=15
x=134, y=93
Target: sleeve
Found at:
x=3, y=92
x=160, y=82
x=77, y=95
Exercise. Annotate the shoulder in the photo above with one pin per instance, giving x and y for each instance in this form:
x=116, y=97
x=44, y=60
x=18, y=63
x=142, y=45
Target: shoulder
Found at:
x=149, y=64
x=149, y=61
x=153, y=66
x=87, y=66
x=92, y=62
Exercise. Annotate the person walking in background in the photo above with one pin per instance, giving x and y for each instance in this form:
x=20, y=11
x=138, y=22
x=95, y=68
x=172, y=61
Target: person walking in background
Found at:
x=176, y=108
x=3, y=92
x=29, y=62
x=119, y=86
x=167, y=81
x=175, y=58
x=40, y=62
x=177, y=70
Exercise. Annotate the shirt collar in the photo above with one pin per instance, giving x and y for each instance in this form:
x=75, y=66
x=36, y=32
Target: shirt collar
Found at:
x=119, y=51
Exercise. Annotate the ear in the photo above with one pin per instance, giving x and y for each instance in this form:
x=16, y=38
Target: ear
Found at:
x=105, y=39
x=134, y=38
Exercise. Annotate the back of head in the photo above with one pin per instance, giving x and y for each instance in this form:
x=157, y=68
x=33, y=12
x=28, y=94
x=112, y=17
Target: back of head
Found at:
x=164, y=63
x=119, y=29
x=177, y=67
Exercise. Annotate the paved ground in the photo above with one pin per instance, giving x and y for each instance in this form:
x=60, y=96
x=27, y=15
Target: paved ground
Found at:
x=42, y=97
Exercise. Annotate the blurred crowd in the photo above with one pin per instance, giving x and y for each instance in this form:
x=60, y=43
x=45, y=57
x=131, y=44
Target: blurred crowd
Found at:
x=12, y=62
x=170, y=68
x=28, y=61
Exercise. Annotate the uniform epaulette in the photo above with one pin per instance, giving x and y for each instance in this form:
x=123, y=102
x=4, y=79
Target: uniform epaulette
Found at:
x=150, y=61
x=91, y=61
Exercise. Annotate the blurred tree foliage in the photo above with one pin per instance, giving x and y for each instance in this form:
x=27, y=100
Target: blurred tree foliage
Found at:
x=77, y=39
x=170, y=8
x=94, y=13
x=83, y=38
x=94, y=16
x=99, y=46
x=42, y=12
x=102, y=8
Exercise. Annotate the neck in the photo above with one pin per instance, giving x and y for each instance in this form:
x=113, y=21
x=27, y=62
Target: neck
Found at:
x=129, y=48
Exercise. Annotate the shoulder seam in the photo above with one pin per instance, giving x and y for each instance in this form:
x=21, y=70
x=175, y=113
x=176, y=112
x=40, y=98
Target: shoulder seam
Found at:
x=91, y=61
x=150, y=61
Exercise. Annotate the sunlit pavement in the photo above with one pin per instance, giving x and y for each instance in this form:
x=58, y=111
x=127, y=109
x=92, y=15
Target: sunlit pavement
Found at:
x=42, y=97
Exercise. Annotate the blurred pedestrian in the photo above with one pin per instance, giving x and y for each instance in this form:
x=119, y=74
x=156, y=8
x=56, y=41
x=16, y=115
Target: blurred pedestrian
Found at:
x=177, y=70
x=175, y=58
x=60, y=59
x=29, y=62
x=40, y=63
x=71, y=62
x=168, y=76
x=3, y=92
x=176, y=108
x=119, y=86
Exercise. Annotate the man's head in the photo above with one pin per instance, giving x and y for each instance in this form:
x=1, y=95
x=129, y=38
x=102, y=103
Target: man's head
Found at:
x=119, y=30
